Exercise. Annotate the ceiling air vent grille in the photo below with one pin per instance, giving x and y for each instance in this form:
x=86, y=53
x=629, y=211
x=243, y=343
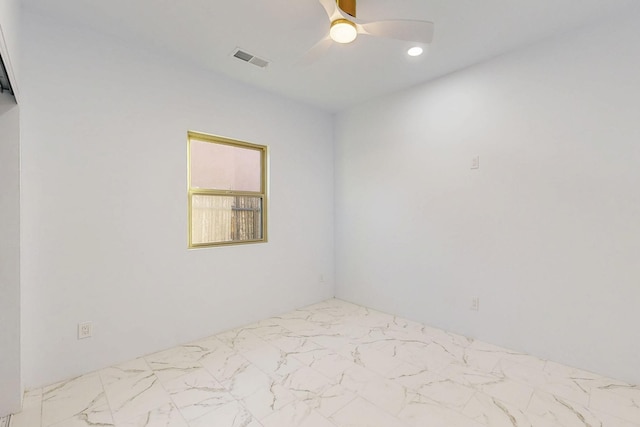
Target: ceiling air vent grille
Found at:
x=251, y=59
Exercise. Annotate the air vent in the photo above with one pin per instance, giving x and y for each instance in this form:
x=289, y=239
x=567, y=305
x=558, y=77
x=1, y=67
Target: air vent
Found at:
x=251, y=59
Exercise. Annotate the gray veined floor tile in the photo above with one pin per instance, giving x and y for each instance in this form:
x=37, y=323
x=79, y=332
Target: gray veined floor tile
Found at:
x=386, y=394
x=509, y=391
x=175, y=362
x=127, y=371
x=425, y=413
x=335, y=364
x=246, y=381
x=296, y=414
x=79, y=401
x=267, y=400
x=521, y=373
x=330, y=399
x=622, y=401
x=101, y=419
x=225, y=366
x=433, y=357
x=445, y=392
x=292, y=343
x=328, y=363
x=233, y=414
x=273, y=361
x=356, y=378
x=132, y=389
x=363, y=413
x=613, y=421
x=211, y=349
x=241, y=340
x=492, y=412
x=197, y=393
x=31, y=414
x=376, y=356
x=267, y=329
x=165, y=416
x=561, y=411
x=312, y=355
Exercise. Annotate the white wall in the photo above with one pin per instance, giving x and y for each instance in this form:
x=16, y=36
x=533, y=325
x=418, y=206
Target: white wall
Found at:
x=10, y=376
x=546, y=232
x=11, y=386
x=104, y=129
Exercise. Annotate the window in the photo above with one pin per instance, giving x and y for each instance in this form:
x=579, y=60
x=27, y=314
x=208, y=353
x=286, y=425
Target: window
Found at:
x=227, y=191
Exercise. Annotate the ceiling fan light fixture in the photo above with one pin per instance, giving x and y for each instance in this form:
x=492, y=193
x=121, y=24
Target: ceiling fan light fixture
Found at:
x=343, y=31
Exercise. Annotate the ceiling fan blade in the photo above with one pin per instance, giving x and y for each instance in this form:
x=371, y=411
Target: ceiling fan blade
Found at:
x=331, y=7
x=316, y=52
x=400, y=29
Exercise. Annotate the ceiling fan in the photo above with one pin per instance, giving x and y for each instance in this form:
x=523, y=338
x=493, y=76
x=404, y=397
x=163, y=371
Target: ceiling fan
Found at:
x=345, y=28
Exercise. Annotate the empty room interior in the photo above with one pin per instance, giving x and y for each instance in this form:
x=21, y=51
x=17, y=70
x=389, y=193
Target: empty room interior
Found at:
x=314, y=213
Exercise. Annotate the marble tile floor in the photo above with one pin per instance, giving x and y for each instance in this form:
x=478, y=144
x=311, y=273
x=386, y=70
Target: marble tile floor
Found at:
x=335, y=364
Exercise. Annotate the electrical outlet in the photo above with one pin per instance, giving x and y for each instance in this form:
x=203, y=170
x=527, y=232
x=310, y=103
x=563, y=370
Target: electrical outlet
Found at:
x=85, y=330
x=321, y=278
x=475, y=304
x=475, y=162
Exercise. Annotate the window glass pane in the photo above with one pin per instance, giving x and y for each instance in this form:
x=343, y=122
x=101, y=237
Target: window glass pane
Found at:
x=225, y=167
x=225, y=218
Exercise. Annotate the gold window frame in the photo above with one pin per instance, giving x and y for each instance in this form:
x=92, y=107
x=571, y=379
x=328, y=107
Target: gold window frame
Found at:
x=262, y=194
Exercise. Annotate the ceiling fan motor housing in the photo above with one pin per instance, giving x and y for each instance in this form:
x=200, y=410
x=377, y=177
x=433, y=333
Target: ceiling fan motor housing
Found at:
x=347, y=6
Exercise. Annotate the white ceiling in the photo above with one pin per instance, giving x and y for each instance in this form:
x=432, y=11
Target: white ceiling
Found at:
x=205, y=32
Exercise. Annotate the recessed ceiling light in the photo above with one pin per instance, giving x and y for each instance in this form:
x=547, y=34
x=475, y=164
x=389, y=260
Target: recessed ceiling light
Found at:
x=415, y=51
